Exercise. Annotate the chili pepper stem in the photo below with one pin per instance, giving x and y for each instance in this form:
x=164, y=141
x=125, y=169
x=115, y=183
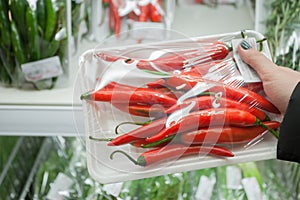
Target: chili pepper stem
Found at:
x=166, y=74
x=154, y=144
x=228, y=46
x=274, y=133
x=86, y=96
x=100, y=139
x=134, y=123
x=140, y=161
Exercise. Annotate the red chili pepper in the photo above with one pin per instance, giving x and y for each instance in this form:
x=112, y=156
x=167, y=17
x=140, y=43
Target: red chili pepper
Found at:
x=155, y=16
x=142, y=143
x=204, y=68
x=144, y=15
x=115, y=18
x=177, y=60
x=206, y=102
x=109, y=56
x=226, y=134
x=189, y=80
x=131, y=16
x=220, y=52
x=141, y=132
x=141, y=110
x=159, y=83
x=173, y=152
x=166, y=63
x=247, y=96
x=207, y=118
x=131, y=95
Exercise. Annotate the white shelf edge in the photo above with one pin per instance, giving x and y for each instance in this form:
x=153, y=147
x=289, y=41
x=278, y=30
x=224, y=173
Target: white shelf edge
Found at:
x=21, y=120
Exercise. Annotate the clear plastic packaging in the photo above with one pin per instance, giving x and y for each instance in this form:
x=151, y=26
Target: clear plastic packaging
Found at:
x=174, y=106
x=34, y=43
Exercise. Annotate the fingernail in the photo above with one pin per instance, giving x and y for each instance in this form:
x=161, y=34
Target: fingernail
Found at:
x=245, y=45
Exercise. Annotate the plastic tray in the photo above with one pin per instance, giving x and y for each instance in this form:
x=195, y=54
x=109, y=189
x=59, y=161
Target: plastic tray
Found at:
x=101, y=122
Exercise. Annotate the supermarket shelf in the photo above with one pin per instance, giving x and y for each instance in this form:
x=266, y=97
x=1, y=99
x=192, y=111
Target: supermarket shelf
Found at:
x=41, y=120
x=58, y=111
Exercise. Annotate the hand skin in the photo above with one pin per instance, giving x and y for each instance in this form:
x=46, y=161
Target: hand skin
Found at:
x=278, y=82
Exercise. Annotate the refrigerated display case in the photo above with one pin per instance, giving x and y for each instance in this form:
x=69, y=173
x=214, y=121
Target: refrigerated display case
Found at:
x=38, y=121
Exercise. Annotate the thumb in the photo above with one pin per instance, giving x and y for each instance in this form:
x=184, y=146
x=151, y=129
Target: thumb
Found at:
x=258, y=61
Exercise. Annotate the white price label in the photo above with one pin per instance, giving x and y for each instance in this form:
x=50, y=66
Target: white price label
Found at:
x=247, y=72
x=233, y=177
x=205, y=188
x=62, y=182
x=42, y=69
x=252, y=188
x=113, y=189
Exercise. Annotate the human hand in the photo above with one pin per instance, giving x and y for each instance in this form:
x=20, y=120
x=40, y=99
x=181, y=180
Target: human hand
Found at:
x=278, y=82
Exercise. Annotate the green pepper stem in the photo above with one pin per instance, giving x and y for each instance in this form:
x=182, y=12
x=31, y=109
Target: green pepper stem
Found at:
x=274, y=133
x=260, y=42
x=154, y=144
x=126, y=154
x=166, y=74
x=101, y=139
x=228, y=46
x=134, y=123
x=86, y=96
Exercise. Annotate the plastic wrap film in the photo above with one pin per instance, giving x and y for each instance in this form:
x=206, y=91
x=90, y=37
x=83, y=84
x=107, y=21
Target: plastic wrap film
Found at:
x=174, y=106
x=34, y=43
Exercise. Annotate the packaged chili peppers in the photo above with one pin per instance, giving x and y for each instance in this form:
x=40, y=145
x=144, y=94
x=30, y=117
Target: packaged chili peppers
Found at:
x=180, y=105
x=34, y=43
x=121, y=15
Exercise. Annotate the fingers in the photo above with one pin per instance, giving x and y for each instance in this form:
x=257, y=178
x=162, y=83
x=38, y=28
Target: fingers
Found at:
x=258, y=61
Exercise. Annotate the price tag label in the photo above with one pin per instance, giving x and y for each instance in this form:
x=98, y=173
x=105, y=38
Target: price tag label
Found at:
x=42, y=69
x=205, y=187
x=252, y=188
x=113, y=189
x=247, y=72
x=233, y=177
x=62, y=182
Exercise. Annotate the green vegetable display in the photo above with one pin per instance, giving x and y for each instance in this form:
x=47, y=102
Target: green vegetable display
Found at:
x=31, y=31
x=80, y=12
x=283, y=30
x=275, y=179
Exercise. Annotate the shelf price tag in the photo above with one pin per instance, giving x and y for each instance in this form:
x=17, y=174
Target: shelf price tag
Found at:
x=61, y=183
x=233, y=177
x=42, y=69
x=205, y=187
x=252, y=188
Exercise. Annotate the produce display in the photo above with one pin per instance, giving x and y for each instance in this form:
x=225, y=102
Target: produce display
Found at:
x=7, y=143
x=282, y=31
x=80, y=20
x=67, y=159
x=157, y=104
x=32, y=31
x=123, y=13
